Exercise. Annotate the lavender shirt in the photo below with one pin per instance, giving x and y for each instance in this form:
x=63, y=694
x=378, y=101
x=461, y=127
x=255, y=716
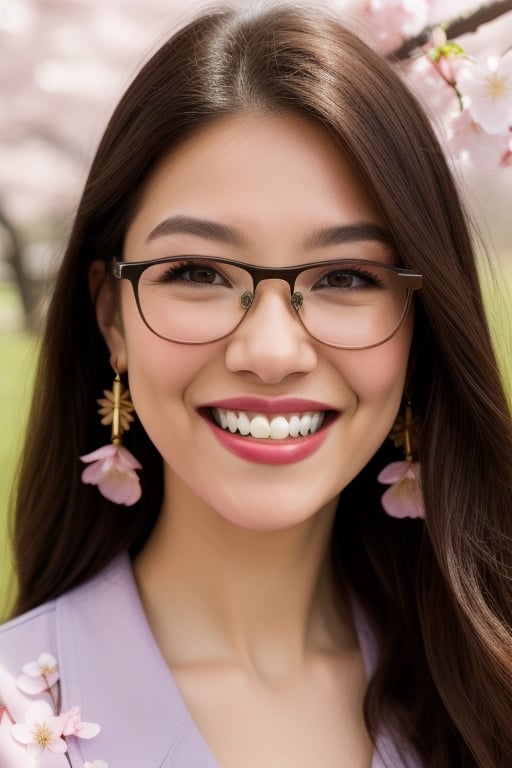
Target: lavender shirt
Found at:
x=111, y=667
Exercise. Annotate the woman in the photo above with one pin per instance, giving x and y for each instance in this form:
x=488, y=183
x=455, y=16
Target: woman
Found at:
x=252, y=603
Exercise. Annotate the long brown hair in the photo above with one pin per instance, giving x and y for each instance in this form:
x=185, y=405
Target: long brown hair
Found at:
x=438, y=593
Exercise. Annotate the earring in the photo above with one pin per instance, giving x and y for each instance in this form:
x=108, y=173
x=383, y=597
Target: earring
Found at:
x=112, y=467
x=403, y=498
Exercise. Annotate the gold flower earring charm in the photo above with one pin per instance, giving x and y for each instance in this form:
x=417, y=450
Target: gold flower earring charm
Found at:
x=112, y=467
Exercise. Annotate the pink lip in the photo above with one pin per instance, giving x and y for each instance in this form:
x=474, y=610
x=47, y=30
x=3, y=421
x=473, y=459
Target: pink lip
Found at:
x=270, y=405
x=269, y=451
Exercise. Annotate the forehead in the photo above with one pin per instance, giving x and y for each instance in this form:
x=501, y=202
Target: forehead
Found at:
x=258, y=174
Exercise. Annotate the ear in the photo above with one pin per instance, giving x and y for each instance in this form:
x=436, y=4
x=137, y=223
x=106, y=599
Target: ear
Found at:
x=108, y=316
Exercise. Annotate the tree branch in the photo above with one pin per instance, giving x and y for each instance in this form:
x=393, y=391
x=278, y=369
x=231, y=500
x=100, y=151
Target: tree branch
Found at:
x=461, y=25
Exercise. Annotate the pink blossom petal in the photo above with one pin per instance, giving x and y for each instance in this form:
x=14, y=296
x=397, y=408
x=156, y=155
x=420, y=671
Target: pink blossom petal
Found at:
x=393, y=472
x=70, y=721
x=46, y=663
x=93, y=473
x=33, y=669
x=35, y=750
x=32, y=685
x=88, y=730
x=38, y=712
x=133, y=494
x=403, y=498
x=121, y=488
x=113, y=473
x=486, y=87
x=126, y=458
x=394, y=20
x=72, y=725
x=113, y=452
x=100, y=453
x=58, y=746
x=474, y=147
x=21, y=733
x=398, y=502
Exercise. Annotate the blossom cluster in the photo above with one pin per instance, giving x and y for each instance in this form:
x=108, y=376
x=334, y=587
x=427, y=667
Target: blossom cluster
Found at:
x=45, y=728
x=471, y=97
x=468, y=97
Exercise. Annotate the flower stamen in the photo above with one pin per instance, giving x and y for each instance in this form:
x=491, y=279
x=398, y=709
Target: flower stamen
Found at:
x=498, y=87
x=42, y=735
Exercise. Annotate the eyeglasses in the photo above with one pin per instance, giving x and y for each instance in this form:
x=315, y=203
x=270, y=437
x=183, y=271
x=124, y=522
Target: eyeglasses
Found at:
x=348, y=304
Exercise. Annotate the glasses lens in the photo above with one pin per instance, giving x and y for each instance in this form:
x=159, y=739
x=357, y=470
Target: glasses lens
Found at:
x=192, y=300
x=351, y=304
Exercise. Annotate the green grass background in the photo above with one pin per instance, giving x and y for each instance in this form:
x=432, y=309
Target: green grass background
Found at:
x=18, y=352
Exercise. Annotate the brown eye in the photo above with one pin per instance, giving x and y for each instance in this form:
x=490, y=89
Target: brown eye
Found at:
x=192, y=273
x=339, y=279
x=349, y=280
x=201, y=274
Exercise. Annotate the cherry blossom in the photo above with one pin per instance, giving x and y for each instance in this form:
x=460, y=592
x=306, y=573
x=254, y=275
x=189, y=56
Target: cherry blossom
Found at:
x=42, y=730
x=474, y=147
x=395, y=20
x=486, y=88
x=72, y=725
x=442, y=78
x=445, y=55
x=45, y=728
x=40, y=675
x=403, y=498
x=113, y=472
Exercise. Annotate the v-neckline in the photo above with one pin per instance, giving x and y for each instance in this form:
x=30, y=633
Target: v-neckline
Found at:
x=112, y=667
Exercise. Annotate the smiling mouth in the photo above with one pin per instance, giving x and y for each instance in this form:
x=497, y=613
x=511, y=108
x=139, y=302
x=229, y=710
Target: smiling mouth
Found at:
x=274, y=427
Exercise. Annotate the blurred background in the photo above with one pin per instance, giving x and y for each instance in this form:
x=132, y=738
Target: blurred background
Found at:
x=63, y=66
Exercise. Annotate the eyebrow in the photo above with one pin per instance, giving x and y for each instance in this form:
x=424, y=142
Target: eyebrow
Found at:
x=210, y=230
x=351, y=233
x=322, y=238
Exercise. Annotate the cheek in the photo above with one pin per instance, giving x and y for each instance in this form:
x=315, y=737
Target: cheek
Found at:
x=376, y=380
x=159, y=369
x=383, y=370
x=378, y=373
x=153, y=364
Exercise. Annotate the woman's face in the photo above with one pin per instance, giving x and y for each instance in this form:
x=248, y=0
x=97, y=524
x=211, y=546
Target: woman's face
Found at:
x=275, y=182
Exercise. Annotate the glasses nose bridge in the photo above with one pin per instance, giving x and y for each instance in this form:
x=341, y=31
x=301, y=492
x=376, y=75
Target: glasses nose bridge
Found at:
x=287, y=275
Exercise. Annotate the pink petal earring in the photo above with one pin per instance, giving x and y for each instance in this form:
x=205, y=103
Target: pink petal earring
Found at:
x=403, y=498
x=112, y=467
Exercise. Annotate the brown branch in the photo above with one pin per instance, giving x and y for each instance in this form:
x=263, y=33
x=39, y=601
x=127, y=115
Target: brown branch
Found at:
x=461, y=25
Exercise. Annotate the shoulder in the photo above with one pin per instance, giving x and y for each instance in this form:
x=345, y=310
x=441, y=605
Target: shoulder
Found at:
x=26, y=643
x=24, y=639
x=45, y=629
x=40, y=653
x=23, y=636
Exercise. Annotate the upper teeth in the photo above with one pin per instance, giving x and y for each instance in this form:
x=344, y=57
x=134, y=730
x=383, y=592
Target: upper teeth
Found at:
x=276, y=428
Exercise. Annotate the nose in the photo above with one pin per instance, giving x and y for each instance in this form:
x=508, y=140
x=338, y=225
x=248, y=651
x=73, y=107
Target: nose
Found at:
x=271, y=342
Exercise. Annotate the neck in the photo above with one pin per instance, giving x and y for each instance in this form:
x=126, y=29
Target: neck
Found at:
x=213, y=589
